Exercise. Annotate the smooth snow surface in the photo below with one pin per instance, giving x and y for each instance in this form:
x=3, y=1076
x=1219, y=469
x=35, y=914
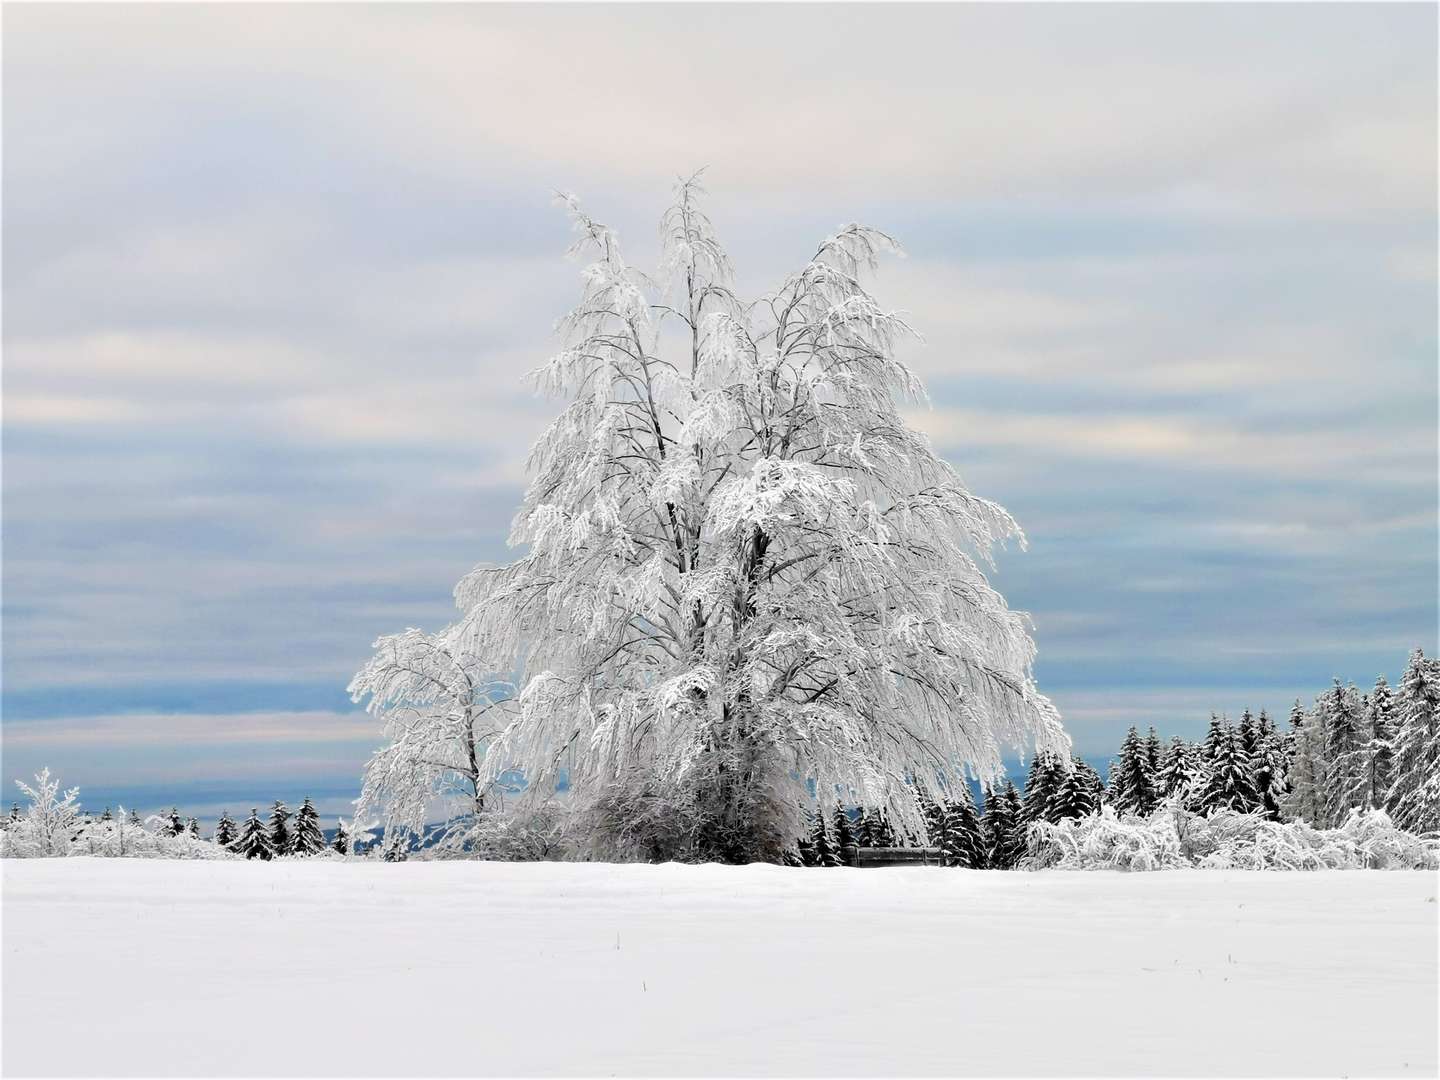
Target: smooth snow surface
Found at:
x=121, y=967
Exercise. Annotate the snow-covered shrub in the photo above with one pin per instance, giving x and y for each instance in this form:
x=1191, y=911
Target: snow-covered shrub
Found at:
x=527, y=834
x=1174, y=837
x=1104, y=840
x=119, y=838
x=48, y=825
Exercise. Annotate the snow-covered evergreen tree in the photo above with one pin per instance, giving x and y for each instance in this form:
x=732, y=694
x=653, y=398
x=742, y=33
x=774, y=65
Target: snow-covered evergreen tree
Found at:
x=964, y=844
x=1306, y=768
x=827, y=853
x=844, y=831
x=1132, y=781
x=1181, y=775
x=744, y=575
x=225, y=829
x=174, y=822
x=1414, y=798
x=1269, y=766
x=1152, y=756
x=309, y=839
x=1041, y=783
x=133, y=818
x=1346, y=765
x=254, y=841
x=1075, y=795
x=341, y=843
x=1228, y=785
x=1379, y=749
x=278, y=830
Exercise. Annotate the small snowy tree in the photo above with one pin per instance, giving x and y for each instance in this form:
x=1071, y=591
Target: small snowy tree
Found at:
x=341, y=843
x=745, y=578
x=254, y=841
x=439, y=712
x=278, y=829
x=174, y=822
x=49, y=823
x=225, y=830
x=1414, y=797
x=309, y=839
x=1041, y=783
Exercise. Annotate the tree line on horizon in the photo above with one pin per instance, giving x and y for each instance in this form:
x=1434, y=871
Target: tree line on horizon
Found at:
x=1350, y=751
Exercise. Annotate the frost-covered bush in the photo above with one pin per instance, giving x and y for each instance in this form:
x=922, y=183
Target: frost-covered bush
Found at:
x=53, y=827
x=119, y=838
x=546, y=832
x=48, y=825
x=1174, y=838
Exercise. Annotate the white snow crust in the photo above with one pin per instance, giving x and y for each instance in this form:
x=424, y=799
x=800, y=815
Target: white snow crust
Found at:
x=353, y=968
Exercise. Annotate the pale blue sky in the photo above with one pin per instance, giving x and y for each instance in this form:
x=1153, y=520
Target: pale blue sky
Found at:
x=272, y=276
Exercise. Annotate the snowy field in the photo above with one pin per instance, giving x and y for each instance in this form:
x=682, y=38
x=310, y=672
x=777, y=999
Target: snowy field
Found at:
x=120, y=967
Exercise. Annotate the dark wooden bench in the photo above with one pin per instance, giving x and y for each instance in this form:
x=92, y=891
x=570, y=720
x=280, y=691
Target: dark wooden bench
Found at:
x=891, y=856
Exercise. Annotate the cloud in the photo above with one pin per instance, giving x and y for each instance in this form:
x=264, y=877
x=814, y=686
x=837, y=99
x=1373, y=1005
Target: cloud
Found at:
x=273, y=277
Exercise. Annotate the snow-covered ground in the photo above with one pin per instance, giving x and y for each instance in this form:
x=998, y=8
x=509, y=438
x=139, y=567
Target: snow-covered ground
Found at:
x=119, y=967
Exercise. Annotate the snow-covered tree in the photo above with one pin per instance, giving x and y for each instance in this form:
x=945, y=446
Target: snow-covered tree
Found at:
x=439, y=712
x=1379, y=760
x=1076, y=794
x=192, y=828
x=1269, y=765
x=1346, y=765
x=341, y=843
x=874, y=830
x=1228, y=784
x=1132, y=780
x=744, y=575
x=308, y=839
x=1181, y=775
x=278, y=829
x=1152, y=755
x=1414, y=798
x=963, y=838
x=1047, y=770
x=844, y=831
x=174, y=822
x=49, y=823
x=225, y=830
x=254, y=841
x=1306, y=768
x=827, y=852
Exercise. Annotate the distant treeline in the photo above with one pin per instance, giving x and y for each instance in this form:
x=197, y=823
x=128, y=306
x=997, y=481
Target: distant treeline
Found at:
x=1349, y=751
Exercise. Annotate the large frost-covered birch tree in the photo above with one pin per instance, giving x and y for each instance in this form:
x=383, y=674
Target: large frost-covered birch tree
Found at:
x=746, y=583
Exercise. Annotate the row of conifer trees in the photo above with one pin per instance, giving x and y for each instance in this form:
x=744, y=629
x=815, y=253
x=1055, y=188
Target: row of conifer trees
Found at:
x=1349, y=751
x=270, y=839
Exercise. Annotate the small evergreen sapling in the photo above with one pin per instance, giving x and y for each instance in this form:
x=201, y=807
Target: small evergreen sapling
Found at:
x=341, y=843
